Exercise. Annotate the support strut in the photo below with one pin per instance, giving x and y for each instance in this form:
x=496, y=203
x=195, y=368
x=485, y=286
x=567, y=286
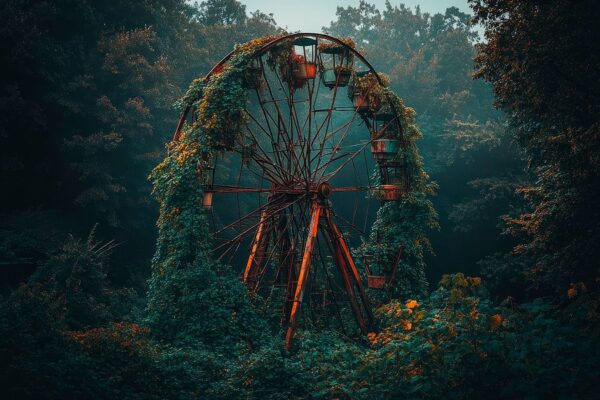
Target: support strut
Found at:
x=258, y=249
x=347, y=268
x=300, y=286
x=347, y=257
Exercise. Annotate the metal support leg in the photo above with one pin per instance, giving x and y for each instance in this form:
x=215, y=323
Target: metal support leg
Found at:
x=349, y=288
x=300, y=286
x=253, y=261
x=341, y=243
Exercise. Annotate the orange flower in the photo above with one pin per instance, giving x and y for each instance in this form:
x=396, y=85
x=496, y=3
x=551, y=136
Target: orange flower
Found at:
x=372, y=336
x=495, y=321
x=575, y=289
x=416, y=371
x=475, y=281
x=474, y=314
x=411, y=304
x=406, y=325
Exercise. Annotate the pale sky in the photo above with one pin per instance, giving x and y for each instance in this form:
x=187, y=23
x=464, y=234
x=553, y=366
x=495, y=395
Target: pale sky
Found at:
x=312, y=15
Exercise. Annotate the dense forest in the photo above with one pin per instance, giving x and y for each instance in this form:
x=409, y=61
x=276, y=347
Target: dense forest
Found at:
x=99, y=300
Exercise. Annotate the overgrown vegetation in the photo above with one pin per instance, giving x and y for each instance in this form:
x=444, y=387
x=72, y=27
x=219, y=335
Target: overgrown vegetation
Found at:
x=428, y=59
x=86, y=107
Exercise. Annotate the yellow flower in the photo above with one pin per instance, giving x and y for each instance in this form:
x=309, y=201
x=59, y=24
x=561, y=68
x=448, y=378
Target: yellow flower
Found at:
x=572, y=292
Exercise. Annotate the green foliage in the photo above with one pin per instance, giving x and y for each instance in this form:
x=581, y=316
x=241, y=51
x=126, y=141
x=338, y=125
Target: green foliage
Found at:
x=202, y=304
x=38, y=323
x=454, y=344
x=457, y=344
x=221, y=12
x=75, y=280
x=403, y=226
x=193, y=298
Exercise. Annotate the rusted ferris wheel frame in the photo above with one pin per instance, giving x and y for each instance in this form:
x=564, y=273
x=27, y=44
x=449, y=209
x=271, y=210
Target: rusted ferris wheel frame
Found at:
x=319, y=209
x=266, y=48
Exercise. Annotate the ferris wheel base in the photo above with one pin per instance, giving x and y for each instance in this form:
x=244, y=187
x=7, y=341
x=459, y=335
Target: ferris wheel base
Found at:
x=346, y=267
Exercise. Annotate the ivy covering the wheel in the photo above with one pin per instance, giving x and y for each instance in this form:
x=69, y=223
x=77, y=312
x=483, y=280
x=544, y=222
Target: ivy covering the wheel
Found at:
x=183, y=249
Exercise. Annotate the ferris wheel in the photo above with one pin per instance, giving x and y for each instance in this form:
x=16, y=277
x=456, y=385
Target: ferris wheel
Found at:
x=316, y=151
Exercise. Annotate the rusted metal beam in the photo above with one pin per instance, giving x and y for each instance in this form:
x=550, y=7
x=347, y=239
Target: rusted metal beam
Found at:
x=285, y=190
x=342, y=267
x=304, y=268
x=339, y=238
x=256, y=247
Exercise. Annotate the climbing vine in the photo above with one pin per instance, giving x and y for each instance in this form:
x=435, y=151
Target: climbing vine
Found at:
x=183, y=263
x=398, y=237
x=190, y=292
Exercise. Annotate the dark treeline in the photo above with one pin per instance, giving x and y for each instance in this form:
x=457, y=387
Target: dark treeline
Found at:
x=510, y=134
x=88, y=93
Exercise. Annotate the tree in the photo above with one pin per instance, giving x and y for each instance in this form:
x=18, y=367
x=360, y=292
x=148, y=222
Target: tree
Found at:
x=543, y=61
x=221, y=12
x=87, y=107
